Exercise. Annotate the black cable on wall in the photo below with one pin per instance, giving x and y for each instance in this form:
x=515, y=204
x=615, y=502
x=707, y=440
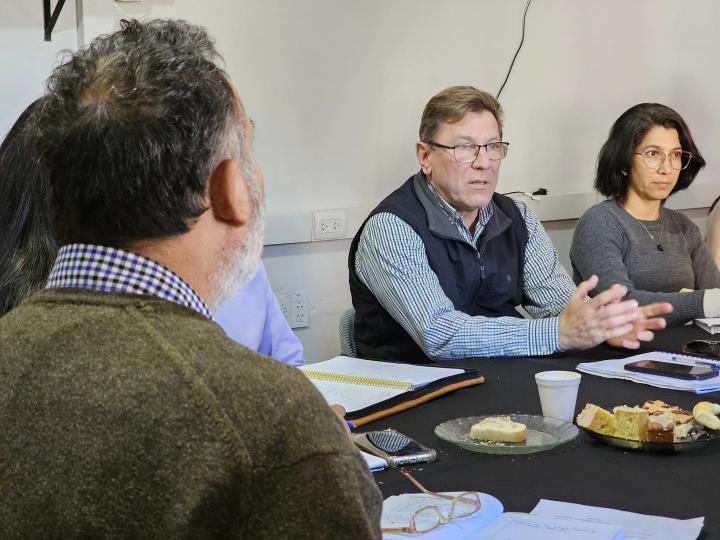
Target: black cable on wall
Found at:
x=522, y=39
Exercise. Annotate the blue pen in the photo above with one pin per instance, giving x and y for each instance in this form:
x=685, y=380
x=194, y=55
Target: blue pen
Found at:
x=708, y=363
x=350, y=425
x=697, y=361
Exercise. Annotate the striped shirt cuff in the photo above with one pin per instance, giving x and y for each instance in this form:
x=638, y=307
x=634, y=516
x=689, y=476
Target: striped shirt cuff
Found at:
x=543, y=336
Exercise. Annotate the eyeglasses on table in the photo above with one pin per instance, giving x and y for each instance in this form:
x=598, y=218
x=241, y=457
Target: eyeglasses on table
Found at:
x=428, y=518
x=703, y=346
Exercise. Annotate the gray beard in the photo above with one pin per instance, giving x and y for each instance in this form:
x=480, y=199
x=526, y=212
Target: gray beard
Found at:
x=238, y=266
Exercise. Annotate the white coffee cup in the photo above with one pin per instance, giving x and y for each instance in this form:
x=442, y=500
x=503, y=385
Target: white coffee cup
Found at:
x=558, y=393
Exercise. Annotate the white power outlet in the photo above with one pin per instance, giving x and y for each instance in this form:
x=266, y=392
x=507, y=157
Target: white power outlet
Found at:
x=329, y=225
x=295, y=309
x=284, y=301
x=298, y=311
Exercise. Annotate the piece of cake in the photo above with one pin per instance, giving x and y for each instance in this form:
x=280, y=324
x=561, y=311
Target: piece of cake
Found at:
x=597, y=419
x=661, y=428
x=498, y=429
x=683, y=419
x=631, y=423
x=656, y=407
x=682, y=431
x=680, y=416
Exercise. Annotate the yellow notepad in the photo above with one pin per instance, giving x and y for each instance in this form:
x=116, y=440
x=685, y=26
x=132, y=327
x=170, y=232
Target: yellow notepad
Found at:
x=357, y=380
x=359, y=384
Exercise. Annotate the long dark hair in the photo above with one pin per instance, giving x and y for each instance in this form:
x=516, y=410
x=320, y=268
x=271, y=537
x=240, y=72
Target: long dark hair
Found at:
x=27, y=245
x=615, y=158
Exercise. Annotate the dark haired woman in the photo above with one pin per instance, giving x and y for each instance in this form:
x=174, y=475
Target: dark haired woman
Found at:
x=27, y=247
x=632, y=239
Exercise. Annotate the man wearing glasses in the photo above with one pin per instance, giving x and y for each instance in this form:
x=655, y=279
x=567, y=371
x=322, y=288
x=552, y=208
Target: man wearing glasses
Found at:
x=438, y=268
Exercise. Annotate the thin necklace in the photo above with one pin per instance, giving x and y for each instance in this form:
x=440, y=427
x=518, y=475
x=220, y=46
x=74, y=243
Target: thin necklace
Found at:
x=658, y=242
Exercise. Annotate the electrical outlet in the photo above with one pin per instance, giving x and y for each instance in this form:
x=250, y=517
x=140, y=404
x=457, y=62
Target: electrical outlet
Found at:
x=329, y=225
x=284, y=301
x=298, y=311
x=294, y=308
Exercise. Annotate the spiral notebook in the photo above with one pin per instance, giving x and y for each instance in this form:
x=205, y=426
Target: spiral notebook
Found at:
x=370, y=389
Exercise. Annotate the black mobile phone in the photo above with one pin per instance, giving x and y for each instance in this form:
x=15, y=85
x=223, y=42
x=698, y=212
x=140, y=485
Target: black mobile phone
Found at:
x=396, y=448
x=668, y=369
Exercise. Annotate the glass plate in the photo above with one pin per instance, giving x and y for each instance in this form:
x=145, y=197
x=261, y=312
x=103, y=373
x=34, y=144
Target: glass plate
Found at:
x=543, y=434
x=698, y=437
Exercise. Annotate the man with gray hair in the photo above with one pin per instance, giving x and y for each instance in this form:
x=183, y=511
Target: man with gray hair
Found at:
x=126, y=411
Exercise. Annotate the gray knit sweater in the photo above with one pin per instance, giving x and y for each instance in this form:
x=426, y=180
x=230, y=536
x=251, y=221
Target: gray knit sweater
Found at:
x=610, y=243
x=128, y=416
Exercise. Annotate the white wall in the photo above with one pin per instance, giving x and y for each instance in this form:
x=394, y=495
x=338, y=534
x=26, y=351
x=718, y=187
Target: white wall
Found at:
x=336, y=88
x=25, y=58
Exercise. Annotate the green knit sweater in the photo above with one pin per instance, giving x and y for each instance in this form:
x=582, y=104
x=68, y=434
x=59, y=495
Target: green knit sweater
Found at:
x=128, y=416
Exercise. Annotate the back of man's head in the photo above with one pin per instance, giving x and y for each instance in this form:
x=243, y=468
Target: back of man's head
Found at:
x=130, y=130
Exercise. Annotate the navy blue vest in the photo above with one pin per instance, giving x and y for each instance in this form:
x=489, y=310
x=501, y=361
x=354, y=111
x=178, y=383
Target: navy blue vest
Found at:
x=487, y=281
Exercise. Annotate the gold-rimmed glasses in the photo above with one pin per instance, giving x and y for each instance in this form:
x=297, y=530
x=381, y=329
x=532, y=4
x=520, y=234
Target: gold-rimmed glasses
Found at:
x=654, y=159
x=430, y=517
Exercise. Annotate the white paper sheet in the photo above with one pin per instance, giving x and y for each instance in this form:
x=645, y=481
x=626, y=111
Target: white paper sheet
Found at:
x=710, y=325
x=375, y=463
x=635, y=526
x=399, y=509
x=354, y=397
x=516, y=526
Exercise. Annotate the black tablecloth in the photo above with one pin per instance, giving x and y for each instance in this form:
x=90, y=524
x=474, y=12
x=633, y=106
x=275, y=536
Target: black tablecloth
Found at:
x=679, y=485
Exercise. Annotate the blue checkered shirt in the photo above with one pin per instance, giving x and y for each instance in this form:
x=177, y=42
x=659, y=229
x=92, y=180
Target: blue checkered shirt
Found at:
x=392, y=263
x=101, y=268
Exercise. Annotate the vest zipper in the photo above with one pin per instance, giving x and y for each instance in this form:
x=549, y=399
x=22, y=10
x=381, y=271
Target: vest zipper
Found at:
x=480, y=260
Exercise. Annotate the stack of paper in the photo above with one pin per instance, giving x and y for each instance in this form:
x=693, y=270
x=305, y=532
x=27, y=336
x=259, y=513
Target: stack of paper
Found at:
x=633, y=525
x=615, y=369
x=549, y=520
x=513, y=526
x=711, y=325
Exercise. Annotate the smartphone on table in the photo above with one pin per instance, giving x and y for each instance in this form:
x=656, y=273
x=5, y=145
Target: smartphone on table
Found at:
x=393, y=446
x=676, y=371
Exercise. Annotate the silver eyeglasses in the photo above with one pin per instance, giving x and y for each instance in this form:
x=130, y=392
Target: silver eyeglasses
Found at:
x=654, y=159
x=428, y=518
x=467, y=153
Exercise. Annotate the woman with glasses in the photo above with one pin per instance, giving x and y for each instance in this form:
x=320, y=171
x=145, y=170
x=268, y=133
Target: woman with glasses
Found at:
x=631, y=238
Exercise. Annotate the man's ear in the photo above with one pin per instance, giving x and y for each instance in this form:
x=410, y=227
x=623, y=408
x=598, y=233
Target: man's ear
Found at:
x=229, y=195
x=422, y=151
